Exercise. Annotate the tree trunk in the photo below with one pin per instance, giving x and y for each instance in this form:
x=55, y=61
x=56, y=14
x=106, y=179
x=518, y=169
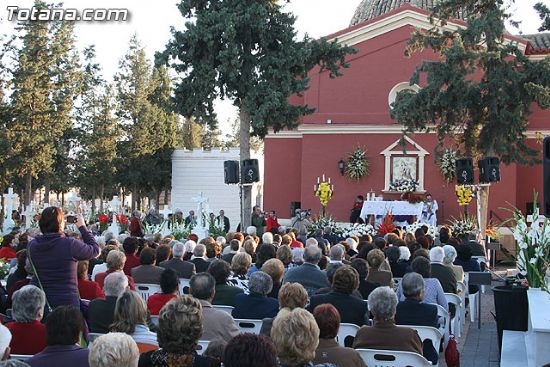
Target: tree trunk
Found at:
x=93, y=200
x=134, y=198
x=47, y=192
x=101, y=197
x=28, y=189
x=246, y=200
x=62, y=199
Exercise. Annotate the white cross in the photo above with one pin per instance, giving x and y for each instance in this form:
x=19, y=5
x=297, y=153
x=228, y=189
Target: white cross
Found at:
x=166, y=211
x=29, y=213
x=115, y=203
x=10, y=199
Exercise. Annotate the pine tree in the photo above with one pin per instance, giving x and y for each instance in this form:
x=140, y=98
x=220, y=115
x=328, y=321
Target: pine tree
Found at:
x=191, y=134
x=247, y=51
x=31, y=132
x=481, y=89
x=544, y=14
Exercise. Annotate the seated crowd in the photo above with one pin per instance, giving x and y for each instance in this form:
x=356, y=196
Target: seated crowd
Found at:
x=301, y=289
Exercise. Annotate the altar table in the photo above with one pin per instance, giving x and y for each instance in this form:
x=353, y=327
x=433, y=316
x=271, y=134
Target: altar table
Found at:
x=395, y=207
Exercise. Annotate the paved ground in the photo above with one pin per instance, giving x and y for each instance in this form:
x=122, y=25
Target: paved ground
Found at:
x=479, y=347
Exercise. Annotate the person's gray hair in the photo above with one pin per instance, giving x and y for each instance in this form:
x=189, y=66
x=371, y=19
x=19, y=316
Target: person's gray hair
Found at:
x=172, y=243
x=297, y=255
x=115, y=284
x=28, y=304
x=336, y=252
x=202, y=286
x=352, y=243
x=412, y=284
x=200, y=250
x=116, y=260
x=178, y=250
x=260, y=283
x=312, y=254
x=404, y=253
x=327, y=230
x=382, y=303
x=221, y=240
x=114, y=350
x=267, y=238
x=190, y=246
x=282, y=230
x=108, y=235
x=251, y=230
x=311, y=242
x=100, y=241
x=5, y=340
x=437, y=254
x=121, y=237
x=450, y=254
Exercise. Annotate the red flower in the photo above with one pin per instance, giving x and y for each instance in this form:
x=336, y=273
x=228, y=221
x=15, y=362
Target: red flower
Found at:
x=103, y=219
x=387, y=225
x=122, y=219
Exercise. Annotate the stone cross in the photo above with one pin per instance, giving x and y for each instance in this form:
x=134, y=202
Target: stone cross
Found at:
x=165, y=212
x=10, y=199
x=201, y=201
x=29, y=214
x=115, y=204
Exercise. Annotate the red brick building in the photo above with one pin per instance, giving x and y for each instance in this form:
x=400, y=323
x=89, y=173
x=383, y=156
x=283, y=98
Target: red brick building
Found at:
x=353, y=110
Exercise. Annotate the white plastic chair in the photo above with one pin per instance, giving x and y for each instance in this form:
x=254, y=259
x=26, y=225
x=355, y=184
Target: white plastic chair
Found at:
x=443, y=314
x=392, y=358
x=249, y=326
x=463, y=290
x=346, y=330
x=473, y=299
x=201, y=346
x=184, y=282
x=228, y=309
x=456, y=323
x=21, y=357
x=155, y=319
x=93, y=336
x=147, y=290
x=428, y=332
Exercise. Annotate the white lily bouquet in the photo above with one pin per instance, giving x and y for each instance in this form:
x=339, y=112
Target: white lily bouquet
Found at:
x=358, y=230
x=533, y=247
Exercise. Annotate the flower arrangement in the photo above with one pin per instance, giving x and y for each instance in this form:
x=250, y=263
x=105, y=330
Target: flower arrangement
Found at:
x=533, y=246
x=323, y=221
x=447, y=164
x=464, y=194
x=358, y=230
x=324, y=192
x=463, y=226
x=4, y=268
x=411, y=228
x=357, y=165
x=180, y=231
x=492, y=232
x=387, y=224
x=403, y=185
x=412, y=197
x=215, y=230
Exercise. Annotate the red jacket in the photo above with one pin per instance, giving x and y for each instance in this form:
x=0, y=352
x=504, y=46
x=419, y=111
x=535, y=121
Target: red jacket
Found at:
x=89, y=289
x=100, y=279
x=7, y=252
x=135, y=227
x=131, y=262
x=27, y=338
x=157, y=301
x=296, y=243
x=272, y=223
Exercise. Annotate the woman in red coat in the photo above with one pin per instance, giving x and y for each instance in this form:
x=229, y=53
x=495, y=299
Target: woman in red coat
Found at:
x=6, y=250
x=135, y=225
x=86, y=288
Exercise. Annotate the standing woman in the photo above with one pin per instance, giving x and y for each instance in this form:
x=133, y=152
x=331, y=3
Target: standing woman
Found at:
x=54, y=257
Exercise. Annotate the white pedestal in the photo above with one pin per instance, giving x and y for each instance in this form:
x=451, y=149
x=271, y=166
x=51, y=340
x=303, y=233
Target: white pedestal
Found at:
x=537, y=338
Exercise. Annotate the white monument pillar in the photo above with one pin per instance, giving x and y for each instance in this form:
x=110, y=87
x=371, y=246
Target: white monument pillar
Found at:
x=8, y=221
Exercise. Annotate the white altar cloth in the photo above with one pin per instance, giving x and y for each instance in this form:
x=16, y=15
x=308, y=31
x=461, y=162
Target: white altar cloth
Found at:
x=394, y=207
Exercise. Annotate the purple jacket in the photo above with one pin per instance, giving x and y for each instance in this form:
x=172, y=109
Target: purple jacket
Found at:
x=60, y=355
x=55, y=257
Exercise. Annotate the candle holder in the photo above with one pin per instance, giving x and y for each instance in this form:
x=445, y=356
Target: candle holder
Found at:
x=324, y=190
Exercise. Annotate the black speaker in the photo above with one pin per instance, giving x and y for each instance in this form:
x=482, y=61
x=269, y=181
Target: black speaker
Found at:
x=294, y=205
x=250, y=171
x=489, y=170
x=464, y=171
x=546, y=175
x=231, y=172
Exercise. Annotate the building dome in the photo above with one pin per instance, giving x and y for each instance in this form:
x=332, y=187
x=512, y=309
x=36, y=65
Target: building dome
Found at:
x=369, y=9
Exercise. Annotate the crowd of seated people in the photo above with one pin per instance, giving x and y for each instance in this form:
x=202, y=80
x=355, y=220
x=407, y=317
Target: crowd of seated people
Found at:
x=300, y=288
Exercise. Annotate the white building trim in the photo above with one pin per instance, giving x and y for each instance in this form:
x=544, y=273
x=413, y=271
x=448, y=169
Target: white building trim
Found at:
x=419, y=152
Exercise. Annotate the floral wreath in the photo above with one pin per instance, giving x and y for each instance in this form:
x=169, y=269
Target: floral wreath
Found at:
x=357, y=165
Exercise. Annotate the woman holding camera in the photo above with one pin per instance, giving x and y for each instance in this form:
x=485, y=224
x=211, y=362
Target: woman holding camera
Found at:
x=53, y=258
